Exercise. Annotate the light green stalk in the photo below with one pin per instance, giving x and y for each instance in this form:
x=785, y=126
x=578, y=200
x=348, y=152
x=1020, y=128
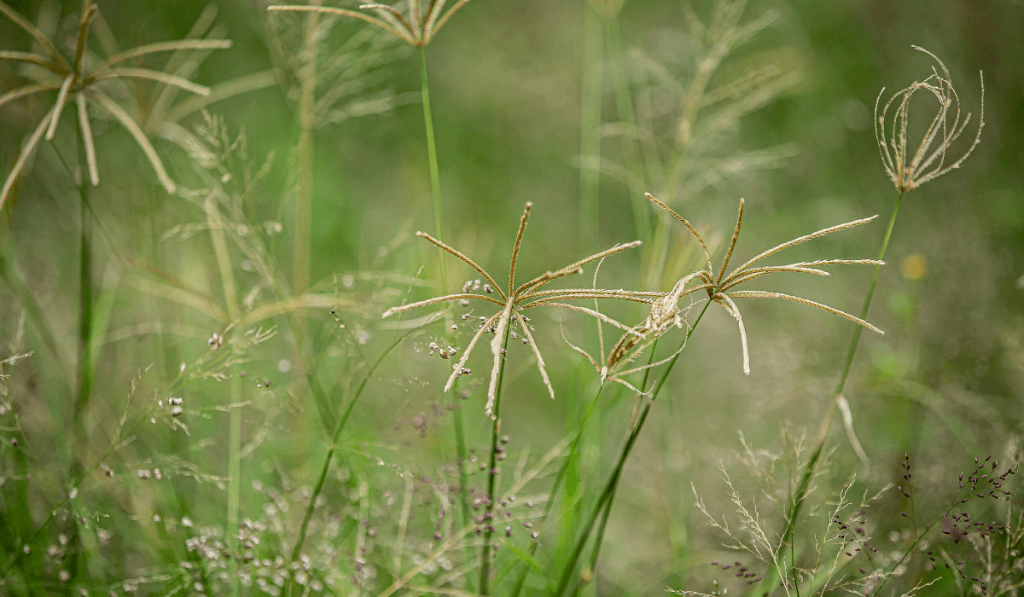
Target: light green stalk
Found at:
x=812, y=462
x=590, y=126
x=227, y=276
x=608, y=493
x=304, y=187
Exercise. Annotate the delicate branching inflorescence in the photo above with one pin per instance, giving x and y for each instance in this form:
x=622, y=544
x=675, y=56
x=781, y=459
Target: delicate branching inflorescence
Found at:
x=422, y=23
x=516, y=299
x=929, y=160
x=720, y=287
x=76, y=79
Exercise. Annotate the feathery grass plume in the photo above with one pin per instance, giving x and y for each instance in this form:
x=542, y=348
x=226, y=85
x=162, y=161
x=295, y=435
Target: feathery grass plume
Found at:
x=929, y=160
x=82, y=80
x=351, y=75
x=685, y=116
x=517, y=299
x=720, y=287
x=416, y=30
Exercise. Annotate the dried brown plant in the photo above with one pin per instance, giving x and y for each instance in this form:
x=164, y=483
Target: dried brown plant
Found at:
x=79, y=80
x=416, y=29
x=517, y=299
x=720, y=287
x=929, y=160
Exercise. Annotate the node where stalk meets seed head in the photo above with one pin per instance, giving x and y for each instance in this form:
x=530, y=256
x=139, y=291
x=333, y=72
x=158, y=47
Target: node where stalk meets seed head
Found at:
x=929, y=160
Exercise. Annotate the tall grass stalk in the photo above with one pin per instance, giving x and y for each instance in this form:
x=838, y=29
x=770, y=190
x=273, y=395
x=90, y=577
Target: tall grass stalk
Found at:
x=227, y=276
x=305, y=155
x=329, y=457
x=486, y=551
x=810, y=468
x=607, y=494
x=590, y=125
x=624, y=104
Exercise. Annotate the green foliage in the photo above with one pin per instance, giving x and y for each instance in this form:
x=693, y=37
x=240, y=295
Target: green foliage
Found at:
x=229, y=364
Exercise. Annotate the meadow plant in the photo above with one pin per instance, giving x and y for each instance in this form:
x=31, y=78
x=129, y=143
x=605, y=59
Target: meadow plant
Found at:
x=927, y=163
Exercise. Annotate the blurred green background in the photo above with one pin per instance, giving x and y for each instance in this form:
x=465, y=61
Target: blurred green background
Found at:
x=945, y=383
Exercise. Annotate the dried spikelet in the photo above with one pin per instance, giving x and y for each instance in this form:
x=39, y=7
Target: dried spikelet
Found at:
x=513, y=301
x=929, y=160
x=416, y=30
x=720, y=286
x=73, y=81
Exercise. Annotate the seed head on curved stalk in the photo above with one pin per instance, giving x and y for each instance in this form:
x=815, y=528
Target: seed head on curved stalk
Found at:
x=929, y=160
x=513, y=301
x=720, y=287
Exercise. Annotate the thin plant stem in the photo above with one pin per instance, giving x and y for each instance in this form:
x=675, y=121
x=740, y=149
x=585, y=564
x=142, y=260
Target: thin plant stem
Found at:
x=85, y=303
x=562, y=471
x=590, y=125
x=220, y=249
x=304, y=186
x=608, y=492
x=624, y=104
x=325, y=468
x=812, y=462
x=435, y=172
x=492, y=475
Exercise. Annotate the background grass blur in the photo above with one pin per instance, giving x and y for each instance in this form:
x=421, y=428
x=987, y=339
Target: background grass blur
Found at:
x=944, y=384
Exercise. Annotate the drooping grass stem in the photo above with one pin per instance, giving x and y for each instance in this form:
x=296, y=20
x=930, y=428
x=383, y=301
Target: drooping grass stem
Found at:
x=85, y=304
x=486, y=551
x=608, y=492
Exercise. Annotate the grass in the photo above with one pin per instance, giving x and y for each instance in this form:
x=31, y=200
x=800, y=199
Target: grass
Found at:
x=269, y=396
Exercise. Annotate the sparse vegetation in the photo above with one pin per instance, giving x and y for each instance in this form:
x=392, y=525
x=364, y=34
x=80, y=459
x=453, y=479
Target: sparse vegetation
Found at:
x=233, y=368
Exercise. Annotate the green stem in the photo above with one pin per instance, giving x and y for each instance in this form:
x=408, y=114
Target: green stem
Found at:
x=562, y=471
x=297, y=550
x=492, y=476
x=84, y=288
x=608, y=493
x=809, y=469
x=435, y=171
x=590, y=125
x=220, y=249
x=304, y=187
x=624, y=103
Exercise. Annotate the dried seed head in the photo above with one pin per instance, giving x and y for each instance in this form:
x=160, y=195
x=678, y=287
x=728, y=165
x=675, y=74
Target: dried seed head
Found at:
x=929, y=159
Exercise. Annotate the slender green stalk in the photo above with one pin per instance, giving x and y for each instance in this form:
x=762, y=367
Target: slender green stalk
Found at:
x=85, y=302
x=303, y=529
x=492, y=477
x=562, y=471
x=608, y=493
x=435, y=171
x=304, y=187
x=590, y=125
x=220, y=249
x=624, y=104
x=812, y=462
